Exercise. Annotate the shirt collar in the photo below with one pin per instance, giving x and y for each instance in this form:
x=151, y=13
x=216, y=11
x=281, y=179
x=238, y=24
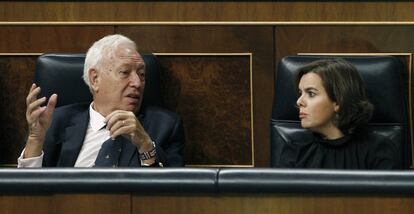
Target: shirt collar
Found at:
x=336, y=142
x=97, y=121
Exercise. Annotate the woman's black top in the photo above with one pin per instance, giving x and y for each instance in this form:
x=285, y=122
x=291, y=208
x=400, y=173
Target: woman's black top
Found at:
x=363, y=150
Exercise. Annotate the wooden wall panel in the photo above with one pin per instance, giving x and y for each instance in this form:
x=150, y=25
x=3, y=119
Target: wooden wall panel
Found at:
x=207, y=11
x=257, y=40
x=16, y=76
x=212, y=96
x=91, y=203
x=294, y=204
x=42, y=39
x=343, y=39
x=41, y=204
x=171, y=204
x=66, y=203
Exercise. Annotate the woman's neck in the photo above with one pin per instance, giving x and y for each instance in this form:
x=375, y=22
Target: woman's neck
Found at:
x=330, y=132
x=333, y=134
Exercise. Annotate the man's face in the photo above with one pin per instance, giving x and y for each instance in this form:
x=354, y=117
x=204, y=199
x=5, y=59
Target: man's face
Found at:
x=120, y=84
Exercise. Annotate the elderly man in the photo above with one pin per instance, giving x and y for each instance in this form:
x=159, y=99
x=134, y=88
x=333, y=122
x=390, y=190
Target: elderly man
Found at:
x=106, y=132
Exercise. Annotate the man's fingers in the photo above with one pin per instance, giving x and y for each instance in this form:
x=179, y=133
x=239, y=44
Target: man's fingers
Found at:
x=115, y=126
x=35, y=104
x=116, y=116
x=34, y=115
x=34, y=91
x=51, y=104
x=32, y=87
x=34, y=110
x=111, y=118
x=127, y=126
x=123, y=130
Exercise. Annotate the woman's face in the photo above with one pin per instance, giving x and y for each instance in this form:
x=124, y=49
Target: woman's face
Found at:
x=316, y=109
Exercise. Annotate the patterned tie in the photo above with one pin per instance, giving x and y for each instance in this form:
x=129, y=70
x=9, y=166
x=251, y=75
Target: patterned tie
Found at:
x=109, y=153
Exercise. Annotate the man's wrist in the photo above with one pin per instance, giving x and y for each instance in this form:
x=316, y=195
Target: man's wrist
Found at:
x=33, y=148
x=154, y=164
x=35, y=138
x=146, y=145
x=148, y=154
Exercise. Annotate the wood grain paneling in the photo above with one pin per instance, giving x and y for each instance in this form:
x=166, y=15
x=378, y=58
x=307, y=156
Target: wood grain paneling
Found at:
x=66, y=203
x=16, y=76
x=212, y=95
x=257, y=40
x=92, y=203
x=42, y=39
x=294, y=204
x=40, y=204
x=207, y=11
x=122, y=203
x=291, y=40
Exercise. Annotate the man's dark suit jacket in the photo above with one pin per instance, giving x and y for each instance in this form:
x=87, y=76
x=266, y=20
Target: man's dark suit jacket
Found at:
x=67, y=132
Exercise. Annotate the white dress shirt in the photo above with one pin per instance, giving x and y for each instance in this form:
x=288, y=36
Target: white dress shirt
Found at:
x=96, y=135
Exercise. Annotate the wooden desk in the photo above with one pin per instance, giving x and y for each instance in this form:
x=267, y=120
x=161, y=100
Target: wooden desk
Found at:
x=195, y=190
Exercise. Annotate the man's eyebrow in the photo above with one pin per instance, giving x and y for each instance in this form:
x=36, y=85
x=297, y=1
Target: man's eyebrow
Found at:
x=127, y=64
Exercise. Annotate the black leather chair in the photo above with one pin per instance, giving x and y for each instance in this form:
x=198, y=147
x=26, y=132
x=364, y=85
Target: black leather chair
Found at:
x=386, y=85
x=61, y=73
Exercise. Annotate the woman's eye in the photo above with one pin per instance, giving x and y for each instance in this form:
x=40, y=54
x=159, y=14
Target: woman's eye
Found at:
x=311, y=94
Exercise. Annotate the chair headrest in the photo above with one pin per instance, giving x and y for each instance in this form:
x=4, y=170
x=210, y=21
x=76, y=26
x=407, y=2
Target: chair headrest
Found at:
x=61, y=73
x=383, y=77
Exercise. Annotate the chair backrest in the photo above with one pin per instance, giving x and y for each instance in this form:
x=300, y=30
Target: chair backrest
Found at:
x=61, y=73
x=384, y=79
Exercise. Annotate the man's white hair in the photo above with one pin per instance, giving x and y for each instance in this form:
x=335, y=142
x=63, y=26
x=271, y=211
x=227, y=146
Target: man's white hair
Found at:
x=102, y=50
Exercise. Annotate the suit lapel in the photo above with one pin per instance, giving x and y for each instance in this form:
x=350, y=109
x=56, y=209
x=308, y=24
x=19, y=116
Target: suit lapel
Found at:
x=75, y=134
x=73, y=139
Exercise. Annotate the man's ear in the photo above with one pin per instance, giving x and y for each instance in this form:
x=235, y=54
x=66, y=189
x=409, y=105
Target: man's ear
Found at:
x=94, y=79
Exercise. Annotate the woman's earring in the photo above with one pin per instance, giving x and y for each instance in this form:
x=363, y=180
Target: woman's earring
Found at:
x=336, y=118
